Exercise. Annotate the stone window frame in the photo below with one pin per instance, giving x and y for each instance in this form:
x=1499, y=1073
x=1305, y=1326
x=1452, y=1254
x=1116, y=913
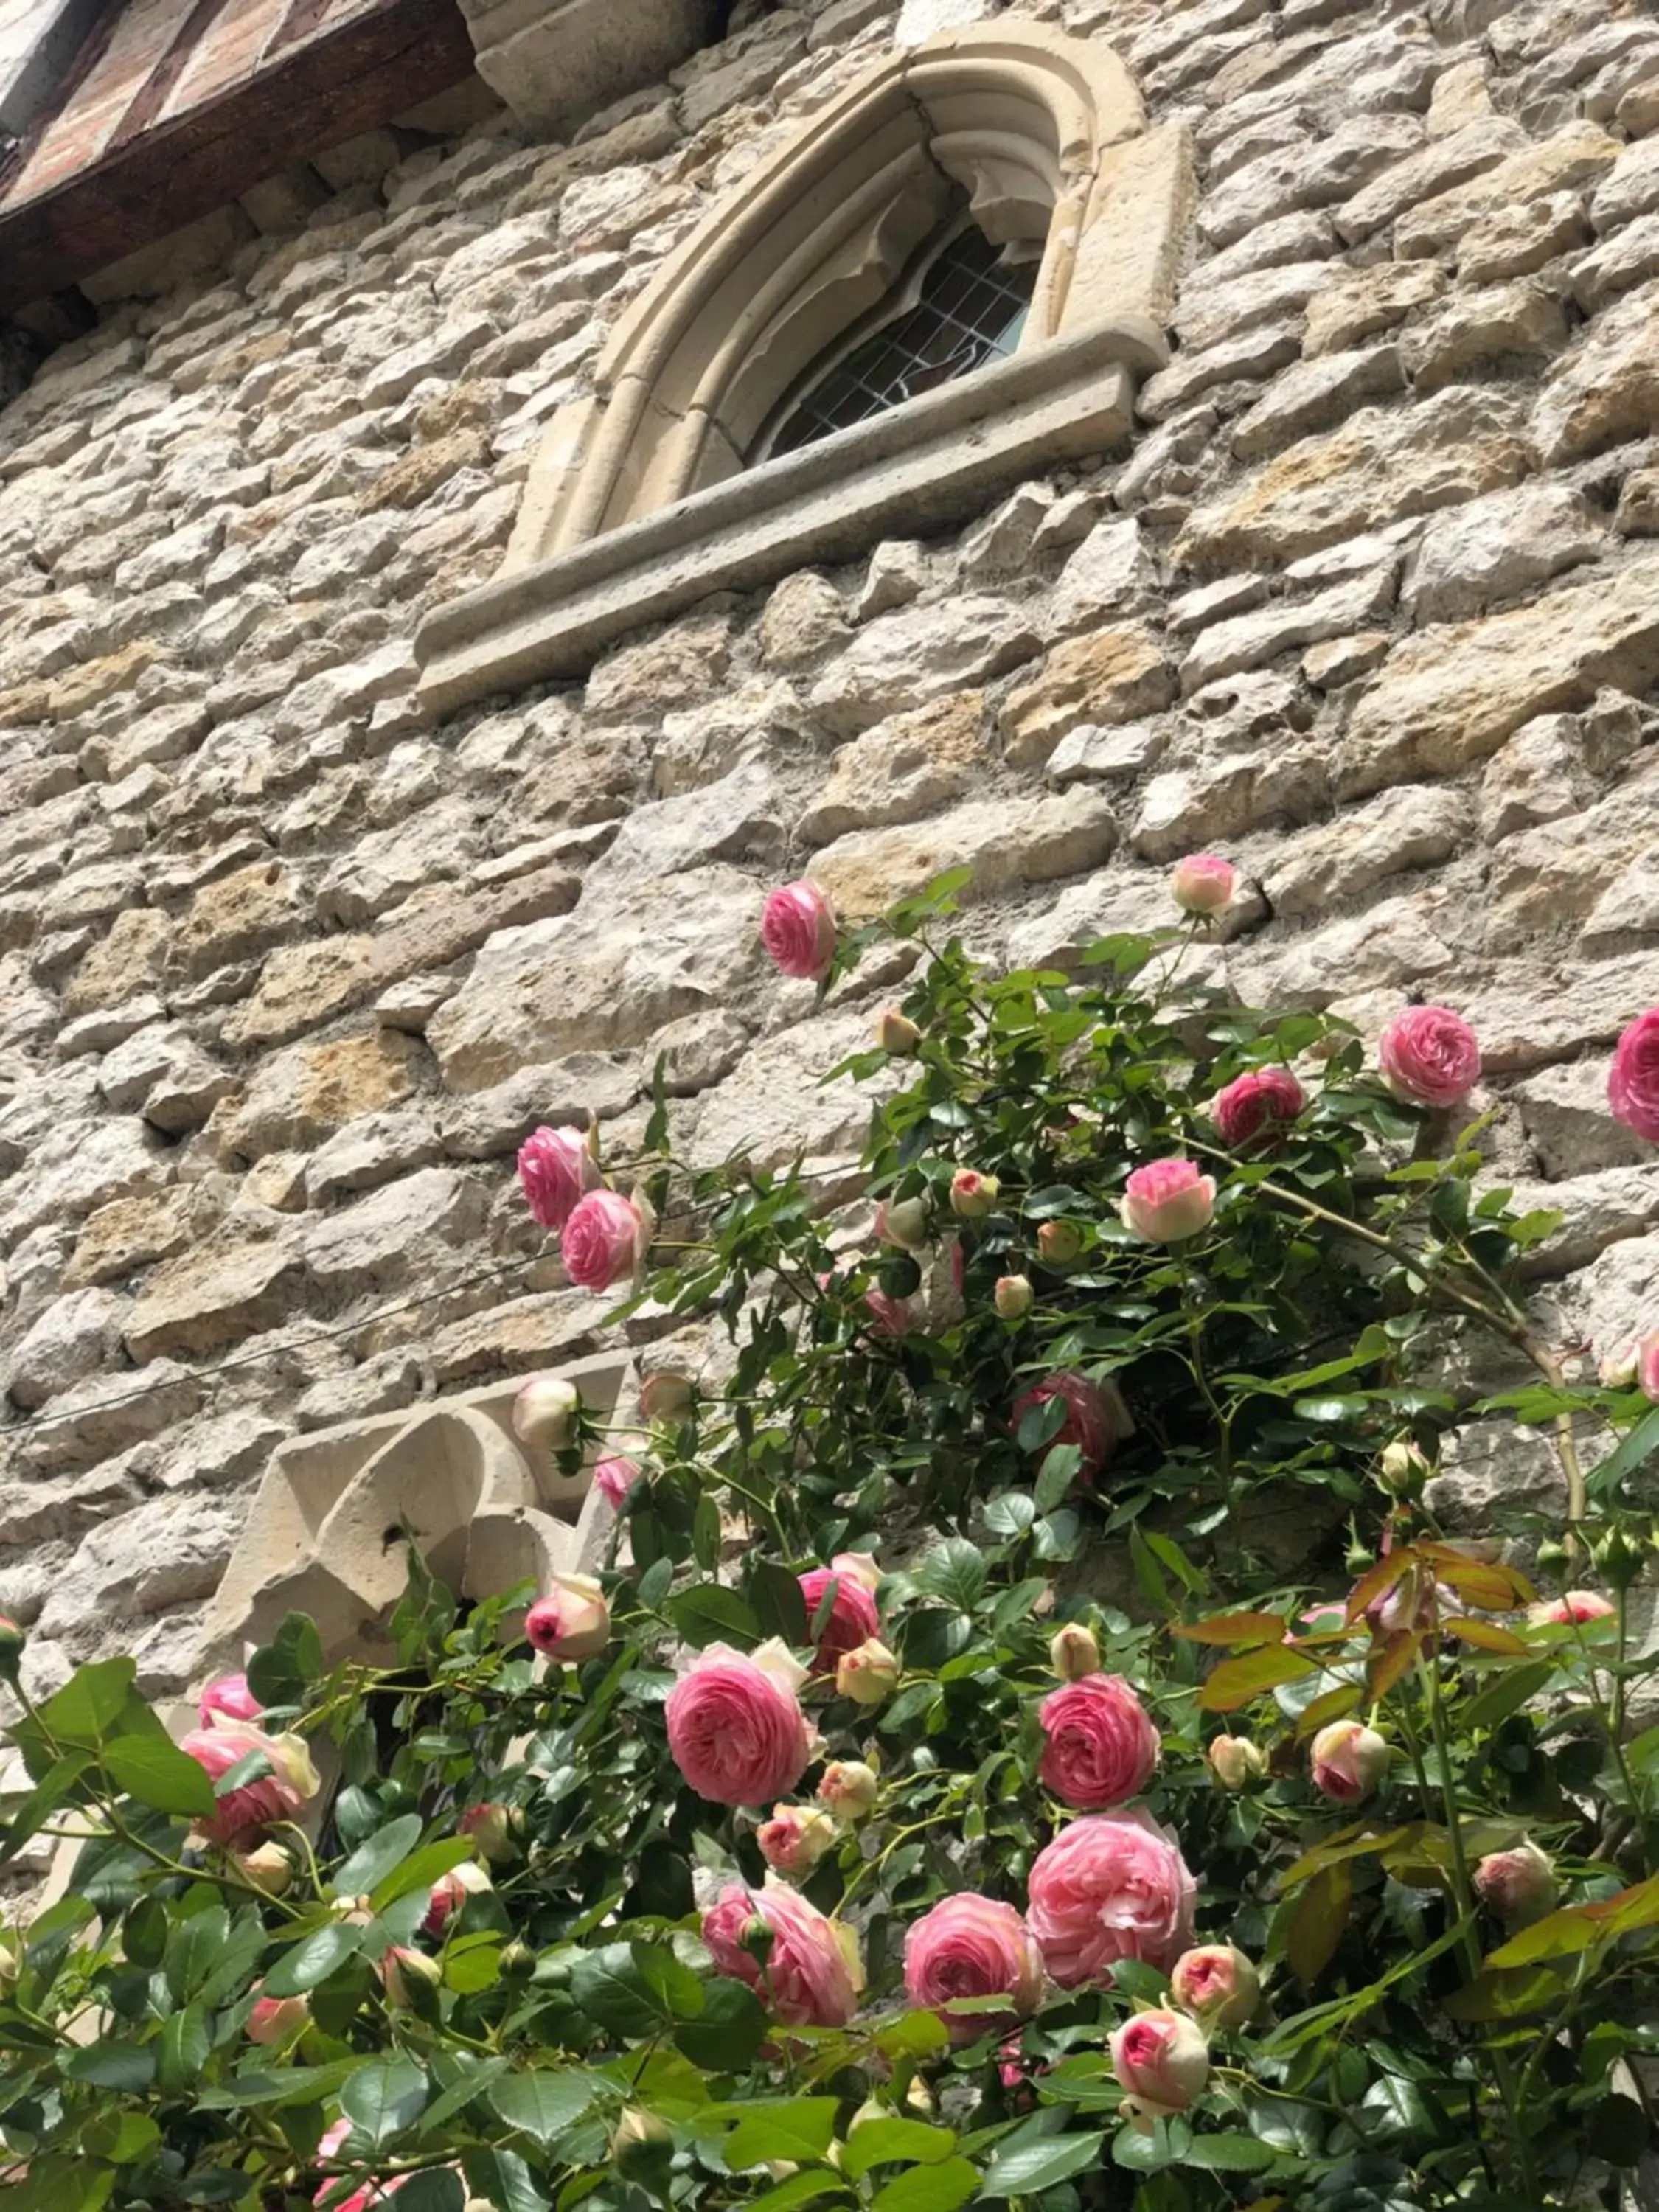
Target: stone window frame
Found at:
x=637, y=503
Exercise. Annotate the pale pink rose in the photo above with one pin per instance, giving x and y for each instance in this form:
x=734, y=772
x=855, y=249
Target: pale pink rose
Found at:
x=1616, y=1370
x=1430, y=1057
x=888, y=1316
x=735, y=1726
x=1255, y=1105
x=1633, y=1079
x=570, y=1620
x=852, y=1616
x=1203, y=883
x=544, y=1410
x=277, y=1796
x=273, y=2020
x=450, y=1893
x=812, y=1976
x=902, y=1223
x=605, y=1240
x=493, y=1830
x=896, y=1033
x=1162, y=2061
x=795, y=1838
x=556, y=1168
x=973, y=1195
x=849, y=1788
x=1349, y=1760
x=1074, y=1652
x=1094, y=1418
x=798, y=929
x=267, y=1868
x=615, y=1477
x=1060, y=1243
x=1167, y=1201
x=1235, y=1762
x=1102, y=1747
x=1013, y=1297
x=858, y=1567
x=1218, y=1984
x=1110, y=1886
x=1518, y=1886
x=404, y=1972
x=1576, y=1608
x=1647, y=1366
x=227, y=1698
x=868, y=1673
x=972, y=1946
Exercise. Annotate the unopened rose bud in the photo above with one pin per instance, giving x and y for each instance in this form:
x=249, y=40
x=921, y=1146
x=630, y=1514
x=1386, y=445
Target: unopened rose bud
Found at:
x=1619, y=1558
x=1518, y=1886
x=897, y=1034
x=1073, y=1653
x=1237, y=1762
x=1403, y=1469
x=1161, y=2060
x=903, y=1224
x=1216, y=1984
x=11, y=1962
x=1059, y=1244
x=544, y=1413
x=849, y=1788
x=667, y=1396
x=410, y=1977
x=1552, y=1556
x=1013, y=1297
x=269, y=1869
x=795, y=1838
x=642, y=2150
x=1647, y=1365
x=273, y=2020
x=868, y=1674
x=518, y=1962
x=571, y=1619
x=1203, y=883
x=1349, y=1760
x=973, y=1195
x=450, y=1892
x=758, y=1939
x=495, y=1830
x=1616, y=1370
x=12, y=1641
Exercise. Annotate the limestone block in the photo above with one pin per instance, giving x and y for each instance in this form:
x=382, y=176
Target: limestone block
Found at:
x=1113, y=675
x=803, y=618
x=1629, y=257
x=1416, y=826
x=1254, y=355
x=1558, y=873
x=896, y=572
x=1630, y=188
x=1093, y=755
x=211, y=1298
x=1305, y=236
x=686, y=663
x=900, y=661
x=701, y=746
x=776, y=1103
x=1513, y=241
x=167, y=1552
x=1109, y=573
x=383, y=1242
x=1340, y=660
x=1247, y=641
x=1314, y=394
x=1321, y=174
x=1459, y=98
x=382, y=868
x=1001, y=545
x=699, y=1050
x=1638, y=505
x=1629, y=907
x=1474, y=557
x=546, y=1330
x=1206, y=315
x=1119, y=900
x=1537, y=776
x=1575, y=156
x=1519, y=321
x=424, y=469
x=222, y=1450
x=167, y=1075
x=1564, y=1111
x=1596, y=1210
x=126, y=1234
x=1490, y=1472
x=240, y=915
x=1184, y=809
x=903, y=769
x=74, y=1337
x=1006, y=843
x=740, y=818
x=490, y=1123
x=1560, y=1009
x=374, y=1149
x=79, y=1167
x=1389, y=946
x=298, y=1097
x=302, y=985
x=1447, y=159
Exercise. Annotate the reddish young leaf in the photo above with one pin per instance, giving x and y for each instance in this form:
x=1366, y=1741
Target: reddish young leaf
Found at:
x=1237, y=1682
x=1237, y=1632
x=1487, y=1636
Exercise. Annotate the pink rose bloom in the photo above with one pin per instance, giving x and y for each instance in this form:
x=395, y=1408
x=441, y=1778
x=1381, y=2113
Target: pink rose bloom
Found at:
x=1257, y=1104
x=795, y=1838
x=1518, y=1886
x=1203, y=883
x=1574, y=1609
x=853, y=1617
x=229, y=1698
x=1167, y=1201
x=971, y=1947
x=556, y=1169
x=615, y=1477
x=605, y=1241
x=570, y=1620
x=1218, y=1984
x=798, y=929
x=277, y=1796
x=1102, y=1747
x=273, y=2020
x=735, y=1726
x=858, y=1567
x=1430, y=1057
x=450, y=1893
x=1110, y=1886
x=1093, y=1420
x=849, y=1788
x=493, y=1830
x=811, y=1977
x=1349, y=1760
x=1647, y=1366
x=890, y=1317
x=1162, y=2062
x=372, y=2192
x=1633, y=1079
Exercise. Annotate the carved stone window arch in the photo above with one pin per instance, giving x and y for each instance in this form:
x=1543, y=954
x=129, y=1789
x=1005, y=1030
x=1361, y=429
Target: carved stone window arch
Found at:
x=639, y=499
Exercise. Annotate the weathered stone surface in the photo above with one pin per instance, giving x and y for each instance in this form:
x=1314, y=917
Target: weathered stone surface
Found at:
x=803, y=618
x=74, y=1337
x=1574, y=156
x=1248, y=641
x=1447, y=159
x=1417, y=826
x=1093, y=755
x=776, y=1104
x=1564, y=1112
x=126, y=962
x=1619, y=264
x=1315, y=175
x=1494, y=549
x=903, y=660
x=740, y=818
x=1538, y=775
x=1315, y=394
x=1630, y=188
x=74, y=1170
x=1390, y=945
x=1111, y=676
x=164, y=1554
x=211, y=1298
x=300, y=1097
x=1513, y=241
x=486, y=1124
x=1520, y=321
x=1219, y=800
x=1608, y=388
x=1006, y=843
x=374, y=1149
x=383, y=1241
x=1109, y=573
x=903, y=768
x=127, y=1234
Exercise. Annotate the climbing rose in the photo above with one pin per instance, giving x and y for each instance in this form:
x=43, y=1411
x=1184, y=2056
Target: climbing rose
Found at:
x=1013, y=1297
x=1162, y=2061
x=1203, y=883
x=1059, y=1242
x=867, y=1673
x=1430, y=1057
x=1216, y=1983
x=896, y=1033
x=1616, y=1370
x=798, y=929
x=605, y=1240
x=1102, y=1747
x=493, y=1829
x=1576, y=1607
x=615, y=1477
x=1111, y=1886
x=1092, y=1422
x=403, y=1969
x=852, y=1616
x=1647, y=1366
x=544, y=1412
x=812, y=1976
x=267, y=1866
x=1256, y=1105
x=890, y=1317
x=735, y=1726
x=556, y=1169
x=1073, y=1652
x=272, y=2019
x=902, y=1224
x=227, y=1698
x=1518, y=1885
x=1167, y=1201
x=1349, y=1760
x=972, y=1195
x=849, y=1788
x=277, y=1796
x=1633, y=1079
x=795, y=1838
x=666, y=1395
x=1235, y=1762
x=450, y=1892
x=570, y=1620
x=973, y=1947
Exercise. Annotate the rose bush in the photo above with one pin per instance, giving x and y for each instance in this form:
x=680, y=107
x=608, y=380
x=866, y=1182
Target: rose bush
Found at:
x=1030, y=1738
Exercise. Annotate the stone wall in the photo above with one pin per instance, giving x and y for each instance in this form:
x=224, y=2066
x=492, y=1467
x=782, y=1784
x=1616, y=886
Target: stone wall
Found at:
x=287, y=970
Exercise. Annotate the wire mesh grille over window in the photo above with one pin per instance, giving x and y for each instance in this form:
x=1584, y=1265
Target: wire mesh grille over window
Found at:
x=966, y=306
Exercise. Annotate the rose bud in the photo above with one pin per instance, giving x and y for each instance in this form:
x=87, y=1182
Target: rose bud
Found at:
x=1618, y=1370
x=409, y=1976
x=869, y=1675
x=1349, y=1760
x=1060, y=1243
x=1257, y=1105
x=605, y=1240
x=1217, y=1984
x=1203, y=883
x=641, y=2147
x=1647, y=1366
x=1235, y=1762
x=495, y=1830
x=795, y=1838
x=273, y=2020
x=1012, y=1297
x=1073, y=1652
x=544, y=1413
x=973, y=1195
x=1429, y=1057
x=1162, y=2062
x=11, y=1963
x=1633, y=1079
x=1574, y=1609
x=570, y=1620
x=518, y=1962
x=268, y=1869
x=667, y=1396
x=1402, y=1469
x=12, y=1641
x=615, y=1477
x=897, y=1034
x=556, y=1170
x=903, y=1224
x=228, y=1696
x=1167, y=1201
x=1619, y=1558
x=450, y=1892
x=798, y=929
x=1518, y=1886
x=849, y=1788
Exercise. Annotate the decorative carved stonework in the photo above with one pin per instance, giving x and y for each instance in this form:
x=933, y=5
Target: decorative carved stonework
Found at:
x=555, y=62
